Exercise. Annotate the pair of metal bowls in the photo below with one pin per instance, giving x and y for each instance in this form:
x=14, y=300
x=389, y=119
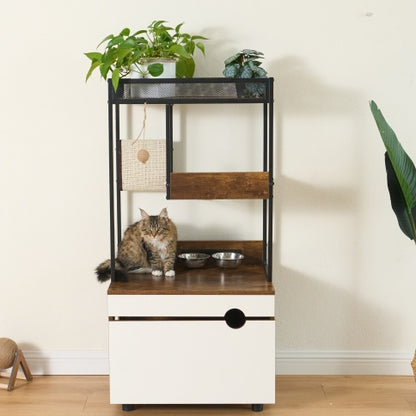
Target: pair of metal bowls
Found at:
x=225, y=259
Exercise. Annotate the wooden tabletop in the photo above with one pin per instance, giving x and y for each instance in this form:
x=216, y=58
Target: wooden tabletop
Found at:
x=210, y=280
x=248, y=278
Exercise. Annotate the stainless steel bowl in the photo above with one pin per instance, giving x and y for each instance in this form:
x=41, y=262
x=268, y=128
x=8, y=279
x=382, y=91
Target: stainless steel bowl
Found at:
x=228, y=259
x=194, y=260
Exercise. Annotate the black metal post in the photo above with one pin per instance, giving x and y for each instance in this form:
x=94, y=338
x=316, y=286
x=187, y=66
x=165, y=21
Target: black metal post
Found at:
x=271, y=170
x=118, y=173
x=111, y=180
x=169, y=146
x=265, y=168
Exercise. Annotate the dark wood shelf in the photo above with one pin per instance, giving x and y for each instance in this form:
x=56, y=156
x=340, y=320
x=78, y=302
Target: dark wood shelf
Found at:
x=246, y=279
x=219, y=185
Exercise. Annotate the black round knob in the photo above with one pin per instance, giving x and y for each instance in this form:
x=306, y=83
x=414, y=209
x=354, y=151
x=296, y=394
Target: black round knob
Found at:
x=235, y=318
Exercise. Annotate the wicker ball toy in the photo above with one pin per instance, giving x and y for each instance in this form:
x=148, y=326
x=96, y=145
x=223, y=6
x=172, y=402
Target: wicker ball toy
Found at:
x=143, y=155
x=8, y=349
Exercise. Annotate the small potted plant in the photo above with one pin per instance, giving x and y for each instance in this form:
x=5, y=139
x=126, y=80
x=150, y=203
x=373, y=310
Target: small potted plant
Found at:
x=246, y=64
x=145, y=52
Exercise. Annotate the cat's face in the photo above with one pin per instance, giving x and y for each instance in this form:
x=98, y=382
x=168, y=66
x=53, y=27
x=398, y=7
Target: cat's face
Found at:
x=155, y=226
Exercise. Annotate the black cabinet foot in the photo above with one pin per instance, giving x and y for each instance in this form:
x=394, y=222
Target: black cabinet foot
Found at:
x=128, y=407
x=257, y=407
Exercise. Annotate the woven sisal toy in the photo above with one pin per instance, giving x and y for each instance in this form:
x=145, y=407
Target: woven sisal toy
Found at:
x=12, y=356
x=143, y=163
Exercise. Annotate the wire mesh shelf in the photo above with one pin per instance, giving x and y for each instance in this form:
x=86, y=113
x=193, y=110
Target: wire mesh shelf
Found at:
x=190, y=90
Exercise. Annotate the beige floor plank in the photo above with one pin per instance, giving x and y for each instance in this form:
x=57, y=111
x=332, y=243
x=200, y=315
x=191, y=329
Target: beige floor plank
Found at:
x=295, y=395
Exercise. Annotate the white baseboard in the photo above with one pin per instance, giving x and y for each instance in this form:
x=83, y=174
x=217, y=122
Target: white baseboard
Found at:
x=287, y=362
x=67, y=362
x=344, y=363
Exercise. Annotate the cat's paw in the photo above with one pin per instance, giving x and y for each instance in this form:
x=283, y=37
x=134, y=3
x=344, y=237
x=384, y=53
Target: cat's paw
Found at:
x=157, y=273
x=170, y=273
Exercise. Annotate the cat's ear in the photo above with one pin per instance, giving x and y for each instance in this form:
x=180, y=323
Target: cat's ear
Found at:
x=163, y=213
x=145, y=215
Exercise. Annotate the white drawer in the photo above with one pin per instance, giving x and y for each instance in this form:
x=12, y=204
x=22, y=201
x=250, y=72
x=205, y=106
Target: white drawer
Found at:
x=165, y=361
x=189, y=305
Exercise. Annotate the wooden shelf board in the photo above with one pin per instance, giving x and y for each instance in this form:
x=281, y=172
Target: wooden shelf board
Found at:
x=210, y=280
x=219, y=185
x=250, y=248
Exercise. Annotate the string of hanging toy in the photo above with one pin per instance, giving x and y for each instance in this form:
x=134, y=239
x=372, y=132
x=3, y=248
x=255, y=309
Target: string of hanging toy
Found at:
x=142, y=155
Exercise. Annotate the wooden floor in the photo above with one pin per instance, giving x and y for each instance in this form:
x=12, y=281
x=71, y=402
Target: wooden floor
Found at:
x=295, y=395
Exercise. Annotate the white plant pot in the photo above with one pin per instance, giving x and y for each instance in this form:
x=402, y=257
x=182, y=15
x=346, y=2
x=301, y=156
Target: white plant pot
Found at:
x=157, y=90
x=169, y=69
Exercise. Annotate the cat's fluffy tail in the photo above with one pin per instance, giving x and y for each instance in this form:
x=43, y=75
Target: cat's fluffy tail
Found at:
x=103, y=271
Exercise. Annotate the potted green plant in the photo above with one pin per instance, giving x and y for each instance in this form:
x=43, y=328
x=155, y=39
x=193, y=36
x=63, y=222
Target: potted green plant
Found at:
x=246, y=64
x=401, y=181
x=145, y=52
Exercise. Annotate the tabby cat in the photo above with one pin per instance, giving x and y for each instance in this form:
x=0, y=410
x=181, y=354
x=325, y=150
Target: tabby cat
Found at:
x=150, y=242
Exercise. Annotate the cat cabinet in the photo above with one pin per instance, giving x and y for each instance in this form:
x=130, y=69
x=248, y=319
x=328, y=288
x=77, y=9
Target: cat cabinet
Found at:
x=207, y=336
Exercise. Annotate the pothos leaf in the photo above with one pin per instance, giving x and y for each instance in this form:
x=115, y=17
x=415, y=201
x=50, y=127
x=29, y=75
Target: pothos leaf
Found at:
x=180, y=51
x=106, y=38
x=185, y=68
x=94, y=65
x=201, y=47
x=94, y=56
x=115, y=78
x=155, y=69
x=125, y=32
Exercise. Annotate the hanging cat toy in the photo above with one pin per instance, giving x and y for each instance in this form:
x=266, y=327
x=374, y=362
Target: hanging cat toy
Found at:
x=142, y=154
x=143, y=162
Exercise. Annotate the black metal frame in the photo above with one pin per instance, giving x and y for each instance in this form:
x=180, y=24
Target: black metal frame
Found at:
x=124, y=96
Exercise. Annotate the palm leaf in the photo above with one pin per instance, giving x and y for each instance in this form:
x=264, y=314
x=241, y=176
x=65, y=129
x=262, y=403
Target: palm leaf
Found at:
x=401, y=176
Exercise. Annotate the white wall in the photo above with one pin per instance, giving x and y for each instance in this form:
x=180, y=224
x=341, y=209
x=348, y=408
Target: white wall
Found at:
x=344, y=273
